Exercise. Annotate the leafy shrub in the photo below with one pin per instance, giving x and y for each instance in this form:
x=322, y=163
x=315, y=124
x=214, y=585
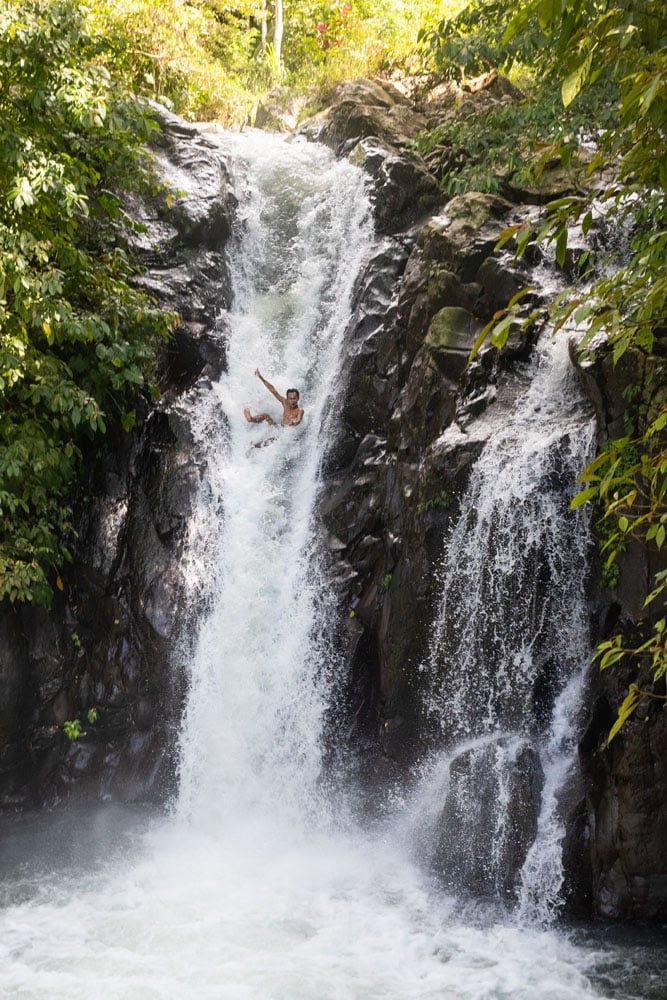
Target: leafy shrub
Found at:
x=194, y=57
x=77, y=342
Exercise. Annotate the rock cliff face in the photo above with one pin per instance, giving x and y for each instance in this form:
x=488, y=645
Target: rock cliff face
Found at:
x=107, y=643
x=627, y=781
x=414, y=418
x=393, y=475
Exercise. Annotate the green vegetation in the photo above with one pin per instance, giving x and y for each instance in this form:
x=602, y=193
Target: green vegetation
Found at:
x=77, y=342
x=73, y=728
x=444, y=500
x=208, y=59
x=195, y=57
x=512, y=141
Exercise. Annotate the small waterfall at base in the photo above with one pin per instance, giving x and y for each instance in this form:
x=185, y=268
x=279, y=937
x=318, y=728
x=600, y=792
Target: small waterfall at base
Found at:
x=254, y=887
x=510, y=649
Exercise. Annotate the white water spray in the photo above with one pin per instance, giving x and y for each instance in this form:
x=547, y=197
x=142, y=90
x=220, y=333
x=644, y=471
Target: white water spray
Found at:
x=511, y=647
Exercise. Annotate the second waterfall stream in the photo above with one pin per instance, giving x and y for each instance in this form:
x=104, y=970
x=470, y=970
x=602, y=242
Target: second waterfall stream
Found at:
x=259, y=885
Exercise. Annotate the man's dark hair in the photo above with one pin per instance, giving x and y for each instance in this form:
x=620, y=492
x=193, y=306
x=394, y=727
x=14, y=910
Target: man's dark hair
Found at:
x=292, y=390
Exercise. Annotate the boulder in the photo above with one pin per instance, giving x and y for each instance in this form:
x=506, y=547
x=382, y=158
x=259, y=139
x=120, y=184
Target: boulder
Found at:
x=483, y=841
x=466, y=232
x=450, y=339
x=280, y=110
x=403, y=190
x=359, y=109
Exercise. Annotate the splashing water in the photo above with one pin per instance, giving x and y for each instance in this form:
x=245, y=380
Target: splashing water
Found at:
x=253, y=889
x=511, y=646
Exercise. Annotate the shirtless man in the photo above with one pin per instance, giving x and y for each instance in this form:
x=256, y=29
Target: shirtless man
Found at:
x=292, y=414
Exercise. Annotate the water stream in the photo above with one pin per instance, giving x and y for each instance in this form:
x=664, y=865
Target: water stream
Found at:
x=510, y=647
x=258, y=885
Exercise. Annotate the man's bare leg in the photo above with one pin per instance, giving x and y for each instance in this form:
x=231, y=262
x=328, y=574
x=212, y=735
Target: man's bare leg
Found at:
x=259, y=418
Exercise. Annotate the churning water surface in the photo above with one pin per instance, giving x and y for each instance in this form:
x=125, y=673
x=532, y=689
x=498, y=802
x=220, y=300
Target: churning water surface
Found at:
x=259, y=885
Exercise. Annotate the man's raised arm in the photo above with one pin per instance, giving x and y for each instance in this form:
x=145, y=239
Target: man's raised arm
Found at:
x=272, y=389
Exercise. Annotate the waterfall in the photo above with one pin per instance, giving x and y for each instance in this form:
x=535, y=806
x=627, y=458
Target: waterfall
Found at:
x=260, y=670
x=254, y=887
x=510, y=647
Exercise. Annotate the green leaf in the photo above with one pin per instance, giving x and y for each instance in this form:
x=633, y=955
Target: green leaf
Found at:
x=128, y=420
x=583, y=497
x=548, y=13
x=648, y=96
x=519, y=295
x=625, y=711
x=561, y=246
x=519, y=21
x=575, y=80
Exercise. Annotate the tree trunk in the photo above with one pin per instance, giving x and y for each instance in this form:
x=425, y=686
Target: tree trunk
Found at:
x=278, y=34
x=263, y=26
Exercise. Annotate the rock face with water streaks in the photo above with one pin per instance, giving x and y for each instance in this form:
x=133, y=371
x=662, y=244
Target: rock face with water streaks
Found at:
x=414, y=420
x=107, y=643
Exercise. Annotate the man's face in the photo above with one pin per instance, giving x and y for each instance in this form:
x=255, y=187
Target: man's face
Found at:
x=292, y=400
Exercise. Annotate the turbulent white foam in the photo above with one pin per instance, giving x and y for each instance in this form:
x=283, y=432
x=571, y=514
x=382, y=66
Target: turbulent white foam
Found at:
x=269, y=918
x=242, y=894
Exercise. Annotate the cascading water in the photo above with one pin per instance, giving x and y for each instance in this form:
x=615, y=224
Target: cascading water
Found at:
x=254, y=889
x=510, y=646
x=260, y=675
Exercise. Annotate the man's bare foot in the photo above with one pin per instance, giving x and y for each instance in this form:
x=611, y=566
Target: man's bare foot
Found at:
x=248, y=415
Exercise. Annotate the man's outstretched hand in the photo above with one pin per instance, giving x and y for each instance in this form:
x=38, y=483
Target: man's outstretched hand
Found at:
x=258, y=373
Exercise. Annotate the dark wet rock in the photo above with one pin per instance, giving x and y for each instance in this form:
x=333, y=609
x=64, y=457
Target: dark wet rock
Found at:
x=466, y=232
x=626, y=800
x=393, y=474
x=371, y=122
x=358, y=109
x=450, y=339
x=482, y=850
x=403, y=191
x=108, y=642
x=626, y=781
x=555, y=181
x=501, y=278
